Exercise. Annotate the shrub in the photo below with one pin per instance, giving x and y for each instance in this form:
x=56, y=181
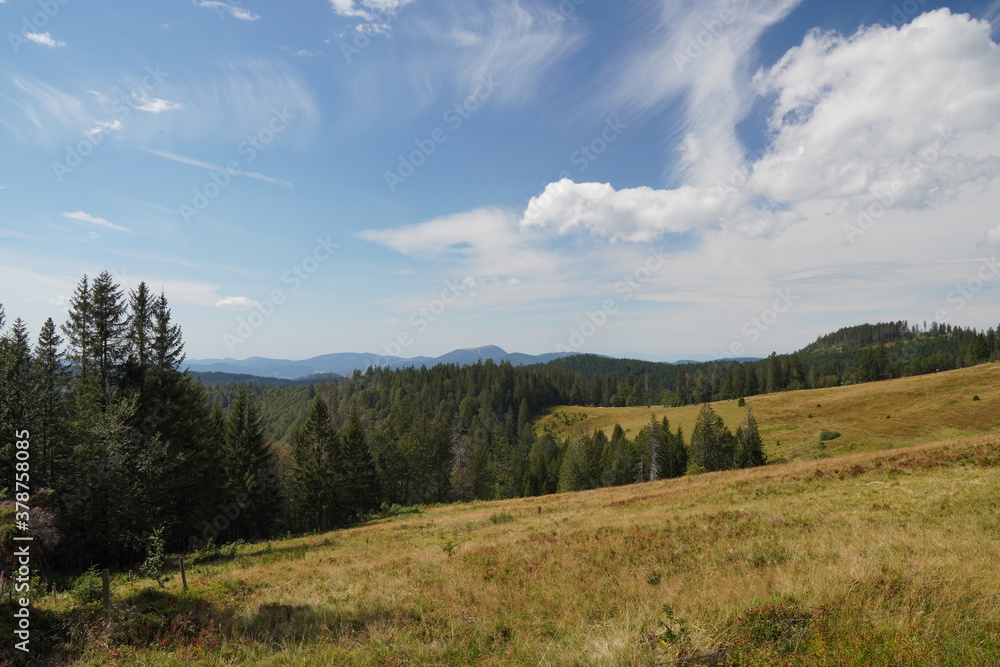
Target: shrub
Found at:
x=88, y=587
x=502, y=517
x=152, y=567
x=828, y=435
x=741, y=403
x=976, y=397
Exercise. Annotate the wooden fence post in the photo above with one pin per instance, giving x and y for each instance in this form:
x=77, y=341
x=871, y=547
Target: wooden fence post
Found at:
x=106, y=578
x=184, y=579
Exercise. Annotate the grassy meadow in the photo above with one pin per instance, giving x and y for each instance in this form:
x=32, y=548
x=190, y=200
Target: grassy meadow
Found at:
x=878, y=557
x=876, y=415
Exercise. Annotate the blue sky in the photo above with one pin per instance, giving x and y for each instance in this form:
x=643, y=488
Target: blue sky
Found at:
x=658, y=179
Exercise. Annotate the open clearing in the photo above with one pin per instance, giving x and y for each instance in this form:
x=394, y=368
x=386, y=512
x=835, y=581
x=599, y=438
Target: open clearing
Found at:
x=875, y=415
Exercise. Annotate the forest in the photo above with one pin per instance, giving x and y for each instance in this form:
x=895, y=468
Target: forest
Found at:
x=129, y=453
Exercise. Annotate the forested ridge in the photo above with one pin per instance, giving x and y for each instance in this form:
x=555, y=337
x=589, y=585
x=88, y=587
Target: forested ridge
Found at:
x=126, y=447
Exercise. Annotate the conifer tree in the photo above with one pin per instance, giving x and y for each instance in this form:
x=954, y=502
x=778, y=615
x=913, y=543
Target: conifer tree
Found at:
x=711, y=442
x=250, y=469
x=50, y=379
x=360, y=490
x=318, y=471
x=749, y=445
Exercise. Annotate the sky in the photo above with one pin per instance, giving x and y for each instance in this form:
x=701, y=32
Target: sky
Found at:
x=646, y=178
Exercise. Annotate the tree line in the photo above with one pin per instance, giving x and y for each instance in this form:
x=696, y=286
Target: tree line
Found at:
x=125, y=444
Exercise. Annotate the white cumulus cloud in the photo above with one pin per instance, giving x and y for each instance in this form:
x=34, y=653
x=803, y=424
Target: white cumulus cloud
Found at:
x=236, y=303
x=44, y=38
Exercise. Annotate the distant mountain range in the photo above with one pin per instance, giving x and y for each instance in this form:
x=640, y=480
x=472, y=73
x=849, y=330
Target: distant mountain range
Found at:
x=345, y=363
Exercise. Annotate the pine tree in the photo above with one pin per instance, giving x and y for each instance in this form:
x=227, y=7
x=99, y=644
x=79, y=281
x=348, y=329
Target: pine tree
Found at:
x=711, y=442
x=318, y=472
x=250, y=470
x=542, y=476
x=749, y=445
x=360, y=490
x=50, y=380
x=17, y=404
x=673, y=453
x=108, y=320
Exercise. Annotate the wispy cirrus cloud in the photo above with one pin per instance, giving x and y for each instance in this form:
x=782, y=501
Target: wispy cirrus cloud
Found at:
x=94, y=220
x=224, y=8
x=195, y=162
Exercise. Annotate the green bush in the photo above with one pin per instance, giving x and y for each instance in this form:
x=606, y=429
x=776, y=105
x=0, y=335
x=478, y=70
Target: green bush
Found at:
x=88, y=587
x=502, y=517
x=828, y=435
x=741, y=403
x=976, y=397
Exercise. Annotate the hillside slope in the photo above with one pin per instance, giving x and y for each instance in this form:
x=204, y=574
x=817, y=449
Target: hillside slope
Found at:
x=882, y=558
x=920, y=409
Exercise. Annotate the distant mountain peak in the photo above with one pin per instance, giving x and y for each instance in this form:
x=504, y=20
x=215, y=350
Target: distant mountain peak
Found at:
x=345, y=363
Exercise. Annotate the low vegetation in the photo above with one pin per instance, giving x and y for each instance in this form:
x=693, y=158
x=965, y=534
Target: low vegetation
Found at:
x=871, y=558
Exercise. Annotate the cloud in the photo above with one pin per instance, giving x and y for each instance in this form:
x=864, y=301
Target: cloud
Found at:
x=43, y=38
x=156, y=105
x=851, y=116
x=237, y=303
x=194, y=162
x=993, y=235
x=35, y=111
x=94, y=220
x=513, y=43
x=240, y=98
x=367, y=9
x=698, y=54
x=223, y=8
x=736, y=229
x=105, y=126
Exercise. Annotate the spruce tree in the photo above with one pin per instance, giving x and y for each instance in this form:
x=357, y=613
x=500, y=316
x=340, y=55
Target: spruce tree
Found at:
x=50, y=380
x=250, y=470
x=711, y=442
x=749, y=445
x=318, y=472
x=360, y=490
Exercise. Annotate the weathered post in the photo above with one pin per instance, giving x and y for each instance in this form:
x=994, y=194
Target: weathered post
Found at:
x=106, y=578
x=184, y=579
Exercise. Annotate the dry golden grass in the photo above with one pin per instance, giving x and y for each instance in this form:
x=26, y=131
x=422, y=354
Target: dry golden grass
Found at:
x=744, y=558
x=920, y=409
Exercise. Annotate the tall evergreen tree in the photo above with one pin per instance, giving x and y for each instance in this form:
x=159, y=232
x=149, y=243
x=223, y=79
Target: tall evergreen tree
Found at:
x=711, y=442
x=250, y=469
x=318, y=472
x=360, y=489
x=749, y=445
x=50, y=380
